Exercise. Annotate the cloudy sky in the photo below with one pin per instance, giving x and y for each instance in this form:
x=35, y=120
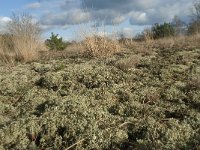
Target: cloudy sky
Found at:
x=65, y=16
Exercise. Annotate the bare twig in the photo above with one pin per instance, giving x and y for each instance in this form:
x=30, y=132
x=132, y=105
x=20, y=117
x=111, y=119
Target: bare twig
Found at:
x=75, y=144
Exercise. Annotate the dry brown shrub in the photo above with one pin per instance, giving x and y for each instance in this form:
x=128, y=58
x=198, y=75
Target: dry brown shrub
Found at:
x=193, y=40
x=96, y=42
x=22, y=43
x=143, y=47
x=164, y=43
x=26, y=48
x=138, y=47
x=6, y=55
x=100, y=46
x=148, y=44
x=148, y=38
x=128, y=43
x=178, y=42
x=19, y=49
x=194, y=82
x=129, y=63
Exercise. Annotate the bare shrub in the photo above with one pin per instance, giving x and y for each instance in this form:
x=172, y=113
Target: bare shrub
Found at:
x=22, y=42
x=148, y=37
x=128, y=43
x=97, y=43
x=26, y=49
x=142, y=44
x=97, y=46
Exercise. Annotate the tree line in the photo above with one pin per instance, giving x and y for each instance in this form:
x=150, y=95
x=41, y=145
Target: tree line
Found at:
x=176, y=27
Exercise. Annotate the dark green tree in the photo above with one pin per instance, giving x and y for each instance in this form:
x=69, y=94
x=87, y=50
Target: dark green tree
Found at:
x=162, y=30
x=55, y=42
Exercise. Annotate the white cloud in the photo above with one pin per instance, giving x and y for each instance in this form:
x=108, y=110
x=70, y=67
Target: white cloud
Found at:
x=139, y=12
x=3, y=23
x=33, y=5
x=119, y=19
x=5, y=19
x=138, y=18
x=72, y=17
x=127, y=32
x=102, y=33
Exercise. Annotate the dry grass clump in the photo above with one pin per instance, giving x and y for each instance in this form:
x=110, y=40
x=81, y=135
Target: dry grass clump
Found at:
x=148, y=38
x=22, y=42
x=19, y=48
x=74, y=50
x=164, y=43
x=139, y=47
x=97, y=42
x=6, y=55
x=100, y=46
x=194, y=83
x=143, y=47
x=193, y=40
x=129, y=63
x=26, y=48
x=178, y=42
x=148, y=44
x=128, y=43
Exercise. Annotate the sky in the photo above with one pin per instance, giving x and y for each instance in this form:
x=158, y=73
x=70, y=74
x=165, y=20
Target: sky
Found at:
x=68, y=17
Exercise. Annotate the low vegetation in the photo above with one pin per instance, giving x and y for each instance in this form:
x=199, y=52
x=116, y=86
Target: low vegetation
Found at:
x=101, y=93
x=130, y=100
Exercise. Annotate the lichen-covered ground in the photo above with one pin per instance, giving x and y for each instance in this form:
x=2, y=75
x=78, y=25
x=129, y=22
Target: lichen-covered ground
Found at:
x=125, y=102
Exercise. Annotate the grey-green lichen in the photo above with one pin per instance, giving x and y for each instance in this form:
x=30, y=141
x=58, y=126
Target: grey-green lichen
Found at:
x=153, y=103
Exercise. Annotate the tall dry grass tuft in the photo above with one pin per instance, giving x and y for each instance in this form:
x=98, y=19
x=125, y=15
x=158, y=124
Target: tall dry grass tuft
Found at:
x=22, y=41
x=148, y=37
x=148, y=44
x=26, y=49
x=178, y=42
x=163, y=43
x=194, y=40
x=97, y=46
x=6, y=53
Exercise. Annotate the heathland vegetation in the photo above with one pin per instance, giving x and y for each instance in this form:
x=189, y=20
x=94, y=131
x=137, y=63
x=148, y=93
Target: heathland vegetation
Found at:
x=101, y=92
